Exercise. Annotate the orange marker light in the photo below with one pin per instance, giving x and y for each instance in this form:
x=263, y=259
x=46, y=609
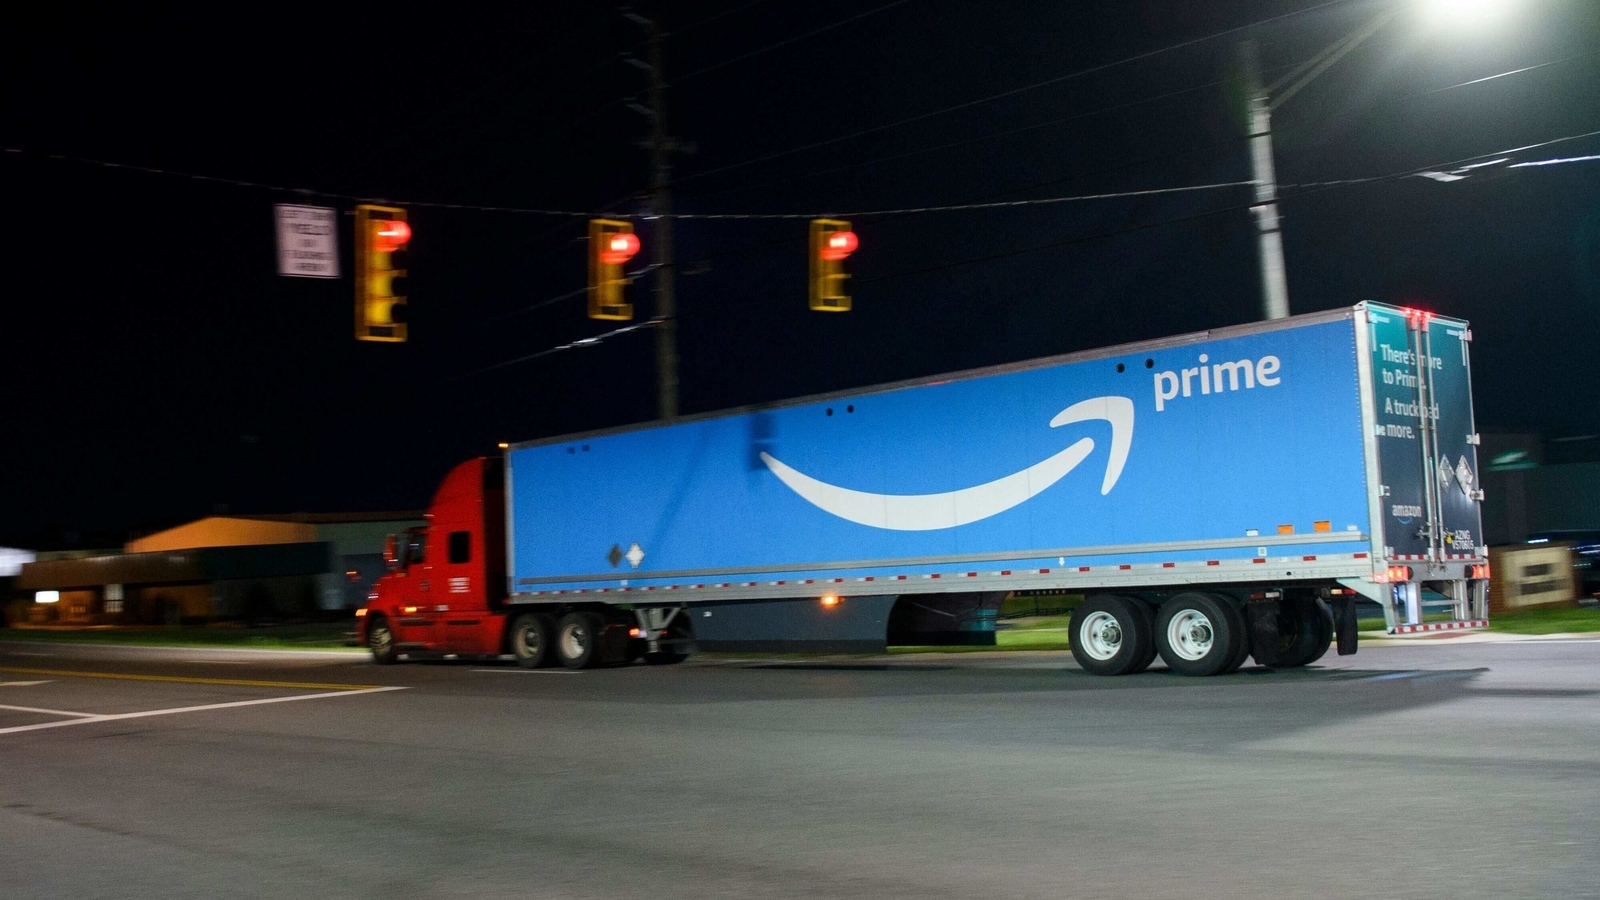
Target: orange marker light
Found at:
x=830, y=600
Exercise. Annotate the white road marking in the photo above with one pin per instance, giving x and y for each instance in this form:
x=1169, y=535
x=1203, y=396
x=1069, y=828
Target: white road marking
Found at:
x=528, y=671
x=48, y=712
x=21, y=683
x=88, y=718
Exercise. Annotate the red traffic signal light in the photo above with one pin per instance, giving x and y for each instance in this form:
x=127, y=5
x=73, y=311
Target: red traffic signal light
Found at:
x=381, y=238
x=611, y=244
x=831, y=241
x=839, y=245
x=392, y=235
x=619, y=248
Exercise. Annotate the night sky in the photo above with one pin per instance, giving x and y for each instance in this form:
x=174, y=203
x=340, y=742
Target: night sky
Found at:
x=156, y=368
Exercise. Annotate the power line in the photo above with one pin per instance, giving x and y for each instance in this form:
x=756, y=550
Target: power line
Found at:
x=920, y=151
x=1311, y=188
x=570, y=345
x=714, y=17
x=586, y=214
x=965, y=207
x=1006, y=93
x=784, y=43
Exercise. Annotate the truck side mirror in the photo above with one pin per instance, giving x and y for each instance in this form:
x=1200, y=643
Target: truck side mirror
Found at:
x=391, y=552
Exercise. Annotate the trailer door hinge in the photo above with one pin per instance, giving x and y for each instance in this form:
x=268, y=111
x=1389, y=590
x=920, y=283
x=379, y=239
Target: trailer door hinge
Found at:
x=1474, y=439
x=1475, y=494
x=1383, y=490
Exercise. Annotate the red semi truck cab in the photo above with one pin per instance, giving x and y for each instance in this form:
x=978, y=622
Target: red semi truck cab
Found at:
x=445, y=593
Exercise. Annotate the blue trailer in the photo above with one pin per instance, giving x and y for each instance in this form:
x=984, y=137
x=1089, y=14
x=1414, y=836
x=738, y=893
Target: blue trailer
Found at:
x=1215, y=495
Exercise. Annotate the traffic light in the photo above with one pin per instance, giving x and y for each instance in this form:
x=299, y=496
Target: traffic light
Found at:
x=611, y=245
x=831, y=241
x=381, y=238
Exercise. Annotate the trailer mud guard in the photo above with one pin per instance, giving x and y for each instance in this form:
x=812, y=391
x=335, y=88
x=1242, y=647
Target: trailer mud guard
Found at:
x=1344, y=624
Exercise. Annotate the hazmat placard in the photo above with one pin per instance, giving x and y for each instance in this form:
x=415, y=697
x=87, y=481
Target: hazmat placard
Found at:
x=308, y=241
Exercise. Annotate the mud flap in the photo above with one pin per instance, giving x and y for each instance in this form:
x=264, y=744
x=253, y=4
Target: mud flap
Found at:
x=1344, y=624
x=1265, y=639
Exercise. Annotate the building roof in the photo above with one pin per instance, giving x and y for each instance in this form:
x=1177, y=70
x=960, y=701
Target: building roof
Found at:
x=177, y=567
x=238, y=531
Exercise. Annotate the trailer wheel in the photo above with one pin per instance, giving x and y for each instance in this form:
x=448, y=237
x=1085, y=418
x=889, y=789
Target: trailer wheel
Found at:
x=1145, y=612
x=578, y=640
x=530, y=640
x=1306, y=624
x=380, y=640
x=1197, y=634
x=1241, y=623
x=1109, y=635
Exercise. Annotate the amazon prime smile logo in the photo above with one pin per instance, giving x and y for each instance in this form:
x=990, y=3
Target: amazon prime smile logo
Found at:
x=930, y=512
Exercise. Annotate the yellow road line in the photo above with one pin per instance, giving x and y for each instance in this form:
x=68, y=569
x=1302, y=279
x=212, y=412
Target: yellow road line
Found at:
x=183, y=679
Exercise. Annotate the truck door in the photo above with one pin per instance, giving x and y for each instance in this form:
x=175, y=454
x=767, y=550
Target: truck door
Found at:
x=1427, y=453
x=464, y=624
x=415, y=625
x=1454, y=440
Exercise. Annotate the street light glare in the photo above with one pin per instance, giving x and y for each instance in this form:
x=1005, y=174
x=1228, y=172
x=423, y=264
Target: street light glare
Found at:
x=1465, y=13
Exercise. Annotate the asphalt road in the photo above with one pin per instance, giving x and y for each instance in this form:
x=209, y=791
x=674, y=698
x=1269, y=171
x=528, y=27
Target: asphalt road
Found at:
x=1406, y=771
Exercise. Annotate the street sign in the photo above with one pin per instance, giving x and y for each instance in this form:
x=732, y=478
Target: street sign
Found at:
x=308, y=241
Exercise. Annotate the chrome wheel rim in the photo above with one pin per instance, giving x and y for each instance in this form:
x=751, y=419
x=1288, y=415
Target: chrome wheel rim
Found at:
x=527, y=642
x=1100, y=636
x=574, y=641
x=1190, y=635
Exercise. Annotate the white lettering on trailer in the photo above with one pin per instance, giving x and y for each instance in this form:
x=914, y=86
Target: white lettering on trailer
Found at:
x=1216, y=378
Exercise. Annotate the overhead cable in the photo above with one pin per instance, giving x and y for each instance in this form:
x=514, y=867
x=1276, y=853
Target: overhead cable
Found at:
x=586, y=214
x=784, y=43
x=968, y=104
x=570, y=345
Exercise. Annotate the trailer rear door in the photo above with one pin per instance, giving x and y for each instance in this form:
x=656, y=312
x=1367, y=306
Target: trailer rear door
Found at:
x=1427, y=439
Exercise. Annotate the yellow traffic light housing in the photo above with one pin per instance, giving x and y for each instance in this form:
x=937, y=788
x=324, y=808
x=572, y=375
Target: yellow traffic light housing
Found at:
x=831, y=242
x=381, y=238
x=611, y=244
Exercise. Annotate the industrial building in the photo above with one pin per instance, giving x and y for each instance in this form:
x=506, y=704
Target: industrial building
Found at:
x=246, y=568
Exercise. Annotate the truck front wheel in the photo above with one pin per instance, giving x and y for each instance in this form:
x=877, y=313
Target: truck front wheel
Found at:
x=380, y=640
x=1198, y=634
x=530, y=640
x=1110, y=635
x=578, y=640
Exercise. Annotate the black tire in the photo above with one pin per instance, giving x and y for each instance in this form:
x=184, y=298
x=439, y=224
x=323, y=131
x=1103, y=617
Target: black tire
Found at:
x=530, y=640
x=577, y=642
x=1148, y=613
x=1241, y=622
x=1198, y=634
x=380, y=640
x=1306, y=628
x=1109, y=635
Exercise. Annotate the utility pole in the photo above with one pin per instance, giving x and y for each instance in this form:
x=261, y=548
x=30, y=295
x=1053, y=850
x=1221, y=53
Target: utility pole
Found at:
x=1269, y=229
x=660, y=144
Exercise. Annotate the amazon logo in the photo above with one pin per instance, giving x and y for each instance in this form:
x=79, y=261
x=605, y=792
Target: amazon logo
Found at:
x=952, y=509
